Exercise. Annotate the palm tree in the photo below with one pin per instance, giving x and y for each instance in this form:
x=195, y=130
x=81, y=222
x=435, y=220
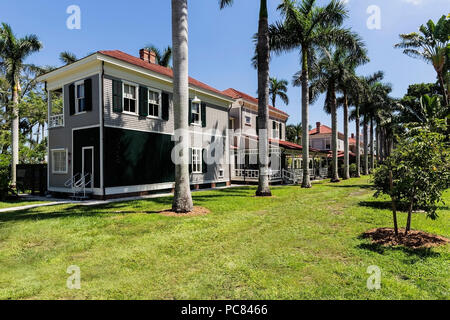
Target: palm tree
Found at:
x=294, y=133
x=332, y=73
x=278, y=88
x=164, y=57
x=263, y=58
x=431, y=43
x=13, y=52
x=306, y=26
x=67, y=57
x=182, y=201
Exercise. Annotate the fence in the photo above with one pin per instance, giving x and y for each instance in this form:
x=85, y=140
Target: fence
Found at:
x=32, y=178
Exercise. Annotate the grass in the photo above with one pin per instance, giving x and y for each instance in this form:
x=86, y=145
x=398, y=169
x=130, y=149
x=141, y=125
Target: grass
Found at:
x=18, y=203
x=300, y=244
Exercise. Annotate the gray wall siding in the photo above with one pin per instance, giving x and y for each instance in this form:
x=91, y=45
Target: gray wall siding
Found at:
x=61, y=138
x=128, y=121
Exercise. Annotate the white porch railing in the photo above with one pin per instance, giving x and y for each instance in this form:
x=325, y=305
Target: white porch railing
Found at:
x=56, y=121
x=244, y=174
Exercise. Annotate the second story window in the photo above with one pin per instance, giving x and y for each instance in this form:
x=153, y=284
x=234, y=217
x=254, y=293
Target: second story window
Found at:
x=129, y=98
x=154, y=104
x=248, y=120
x=80, y=99
x=196, y=113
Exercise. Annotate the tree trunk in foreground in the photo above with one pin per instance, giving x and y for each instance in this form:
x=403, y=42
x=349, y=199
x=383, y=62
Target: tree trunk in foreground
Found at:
x=15, y=134
x=182, y=201
x=358, y=143
x=372, y=147
x=366, y=146
x=306, y=183
x=346, y=144
x=393, y=202
x=263, y=102
x=334, y=138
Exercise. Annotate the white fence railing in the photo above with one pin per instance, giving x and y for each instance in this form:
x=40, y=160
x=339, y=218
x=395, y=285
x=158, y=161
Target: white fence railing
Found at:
x=56, y=121
x=244, y=174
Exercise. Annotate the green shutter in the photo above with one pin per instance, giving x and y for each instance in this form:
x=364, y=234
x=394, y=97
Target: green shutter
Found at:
x=143, y=101
x=72, y=99
x=204, y=164
x=190, y=112
x=117, y=96
x=203, y=113
x=165, y=105
x=88, y=94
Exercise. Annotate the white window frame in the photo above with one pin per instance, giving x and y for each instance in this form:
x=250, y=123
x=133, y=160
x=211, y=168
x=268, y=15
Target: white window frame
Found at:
x=197, y=160
x=159, y=92
x=77, y=99
x=124, y=83
x=53, y=161
x=199, y=122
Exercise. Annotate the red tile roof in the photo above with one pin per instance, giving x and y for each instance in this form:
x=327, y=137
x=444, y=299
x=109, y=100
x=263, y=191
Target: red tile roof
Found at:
x=156, y=68
x=235, y=94
x=326, y=130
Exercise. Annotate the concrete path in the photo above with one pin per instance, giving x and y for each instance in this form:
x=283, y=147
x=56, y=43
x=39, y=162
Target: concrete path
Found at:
x=55, y=201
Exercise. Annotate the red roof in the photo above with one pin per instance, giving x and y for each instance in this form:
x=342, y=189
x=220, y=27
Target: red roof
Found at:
x=156, y=68
x=326, y=130
x=235, y=94
x=340, y=154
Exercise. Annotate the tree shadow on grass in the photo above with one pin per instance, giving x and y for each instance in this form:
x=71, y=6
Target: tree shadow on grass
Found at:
x=348, y=186
x=419, y=252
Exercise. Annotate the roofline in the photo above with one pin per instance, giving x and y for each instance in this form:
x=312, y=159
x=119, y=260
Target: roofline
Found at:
x=98, y=56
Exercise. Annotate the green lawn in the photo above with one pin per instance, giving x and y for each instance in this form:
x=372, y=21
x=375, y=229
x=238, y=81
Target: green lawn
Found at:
x=300, y=244
x=18, y=203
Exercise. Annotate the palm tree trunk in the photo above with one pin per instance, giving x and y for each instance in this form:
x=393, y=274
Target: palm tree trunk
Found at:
x=377, y=145
x=444, y=90
x=366, y=145
x=358, y=143
x=263, y=101
x=306, y=183
x=372, y=146
x=334, y=136
x=346, y=146
x=15, y=134
x=182, y=201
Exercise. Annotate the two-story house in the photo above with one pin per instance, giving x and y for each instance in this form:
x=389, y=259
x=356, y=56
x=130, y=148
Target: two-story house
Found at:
x=111, y=123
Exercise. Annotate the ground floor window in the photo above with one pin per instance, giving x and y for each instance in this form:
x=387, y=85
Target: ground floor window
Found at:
x=59, y=161
x=197, y=160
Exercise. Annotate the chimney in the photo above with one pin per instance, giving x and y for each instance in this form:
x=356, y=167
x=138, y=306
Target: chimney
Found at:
x=147, y=56
x=318, y=124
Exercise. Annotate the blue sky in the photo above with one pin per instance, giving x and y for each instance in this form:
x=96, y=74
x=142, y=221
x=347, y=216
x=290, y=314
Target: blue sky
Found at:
x=220, y=41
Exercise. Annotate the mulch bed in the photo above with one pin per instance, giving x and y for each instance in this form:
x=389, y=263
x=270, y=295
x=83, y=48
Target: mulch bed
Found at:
x=197, y=211
x=414, y=239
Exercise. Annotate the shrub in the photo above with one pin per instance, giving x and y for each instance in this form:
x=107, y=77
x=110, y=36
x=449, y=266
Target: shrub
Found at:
x=4, y=176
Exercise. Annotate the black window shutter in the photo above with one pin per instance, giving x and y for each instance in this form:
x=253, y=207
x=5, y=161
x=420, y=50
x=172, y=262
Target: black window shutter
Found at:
x=257, y=126
x=190, y=160
x=203, y=115
x=143, y=101
x=117, y=96
x=72, y=99
x=165, y=106
x=190, y=112
x=204, y=164
x=88, y=94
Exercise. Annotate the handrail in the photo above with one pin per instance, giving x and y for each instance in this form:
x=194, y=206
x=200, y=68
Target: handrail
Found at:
x=70, y=182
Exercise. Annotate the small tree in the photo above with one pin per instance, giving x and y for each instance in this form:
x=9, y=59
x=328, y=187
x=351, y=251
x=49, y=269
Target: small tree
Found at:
x=420, y=171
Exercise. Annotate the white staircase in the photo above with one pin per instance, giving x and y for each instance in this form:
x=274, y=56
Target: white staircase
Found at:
x=79, y=185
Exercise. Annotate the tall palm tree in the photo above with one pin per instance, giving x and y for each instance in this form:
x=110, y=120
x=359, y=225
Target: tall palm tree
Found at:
x=263, y=59
x=13, y=52
x=332, y=73
x=306, y=26
x=278, y=88
x=431, y=43
x=67, y=57
x=182, y=201
x=163, y=57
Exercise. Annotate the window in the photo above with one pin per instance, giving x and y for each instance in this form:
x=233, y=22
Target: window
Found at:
x=196, y=113
x=221, y=173
x=327, y=144
x=80, y=99
x=59, y=161
x=129, y=98
x=248, y=120
x=154, y=103
x=197, y=160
